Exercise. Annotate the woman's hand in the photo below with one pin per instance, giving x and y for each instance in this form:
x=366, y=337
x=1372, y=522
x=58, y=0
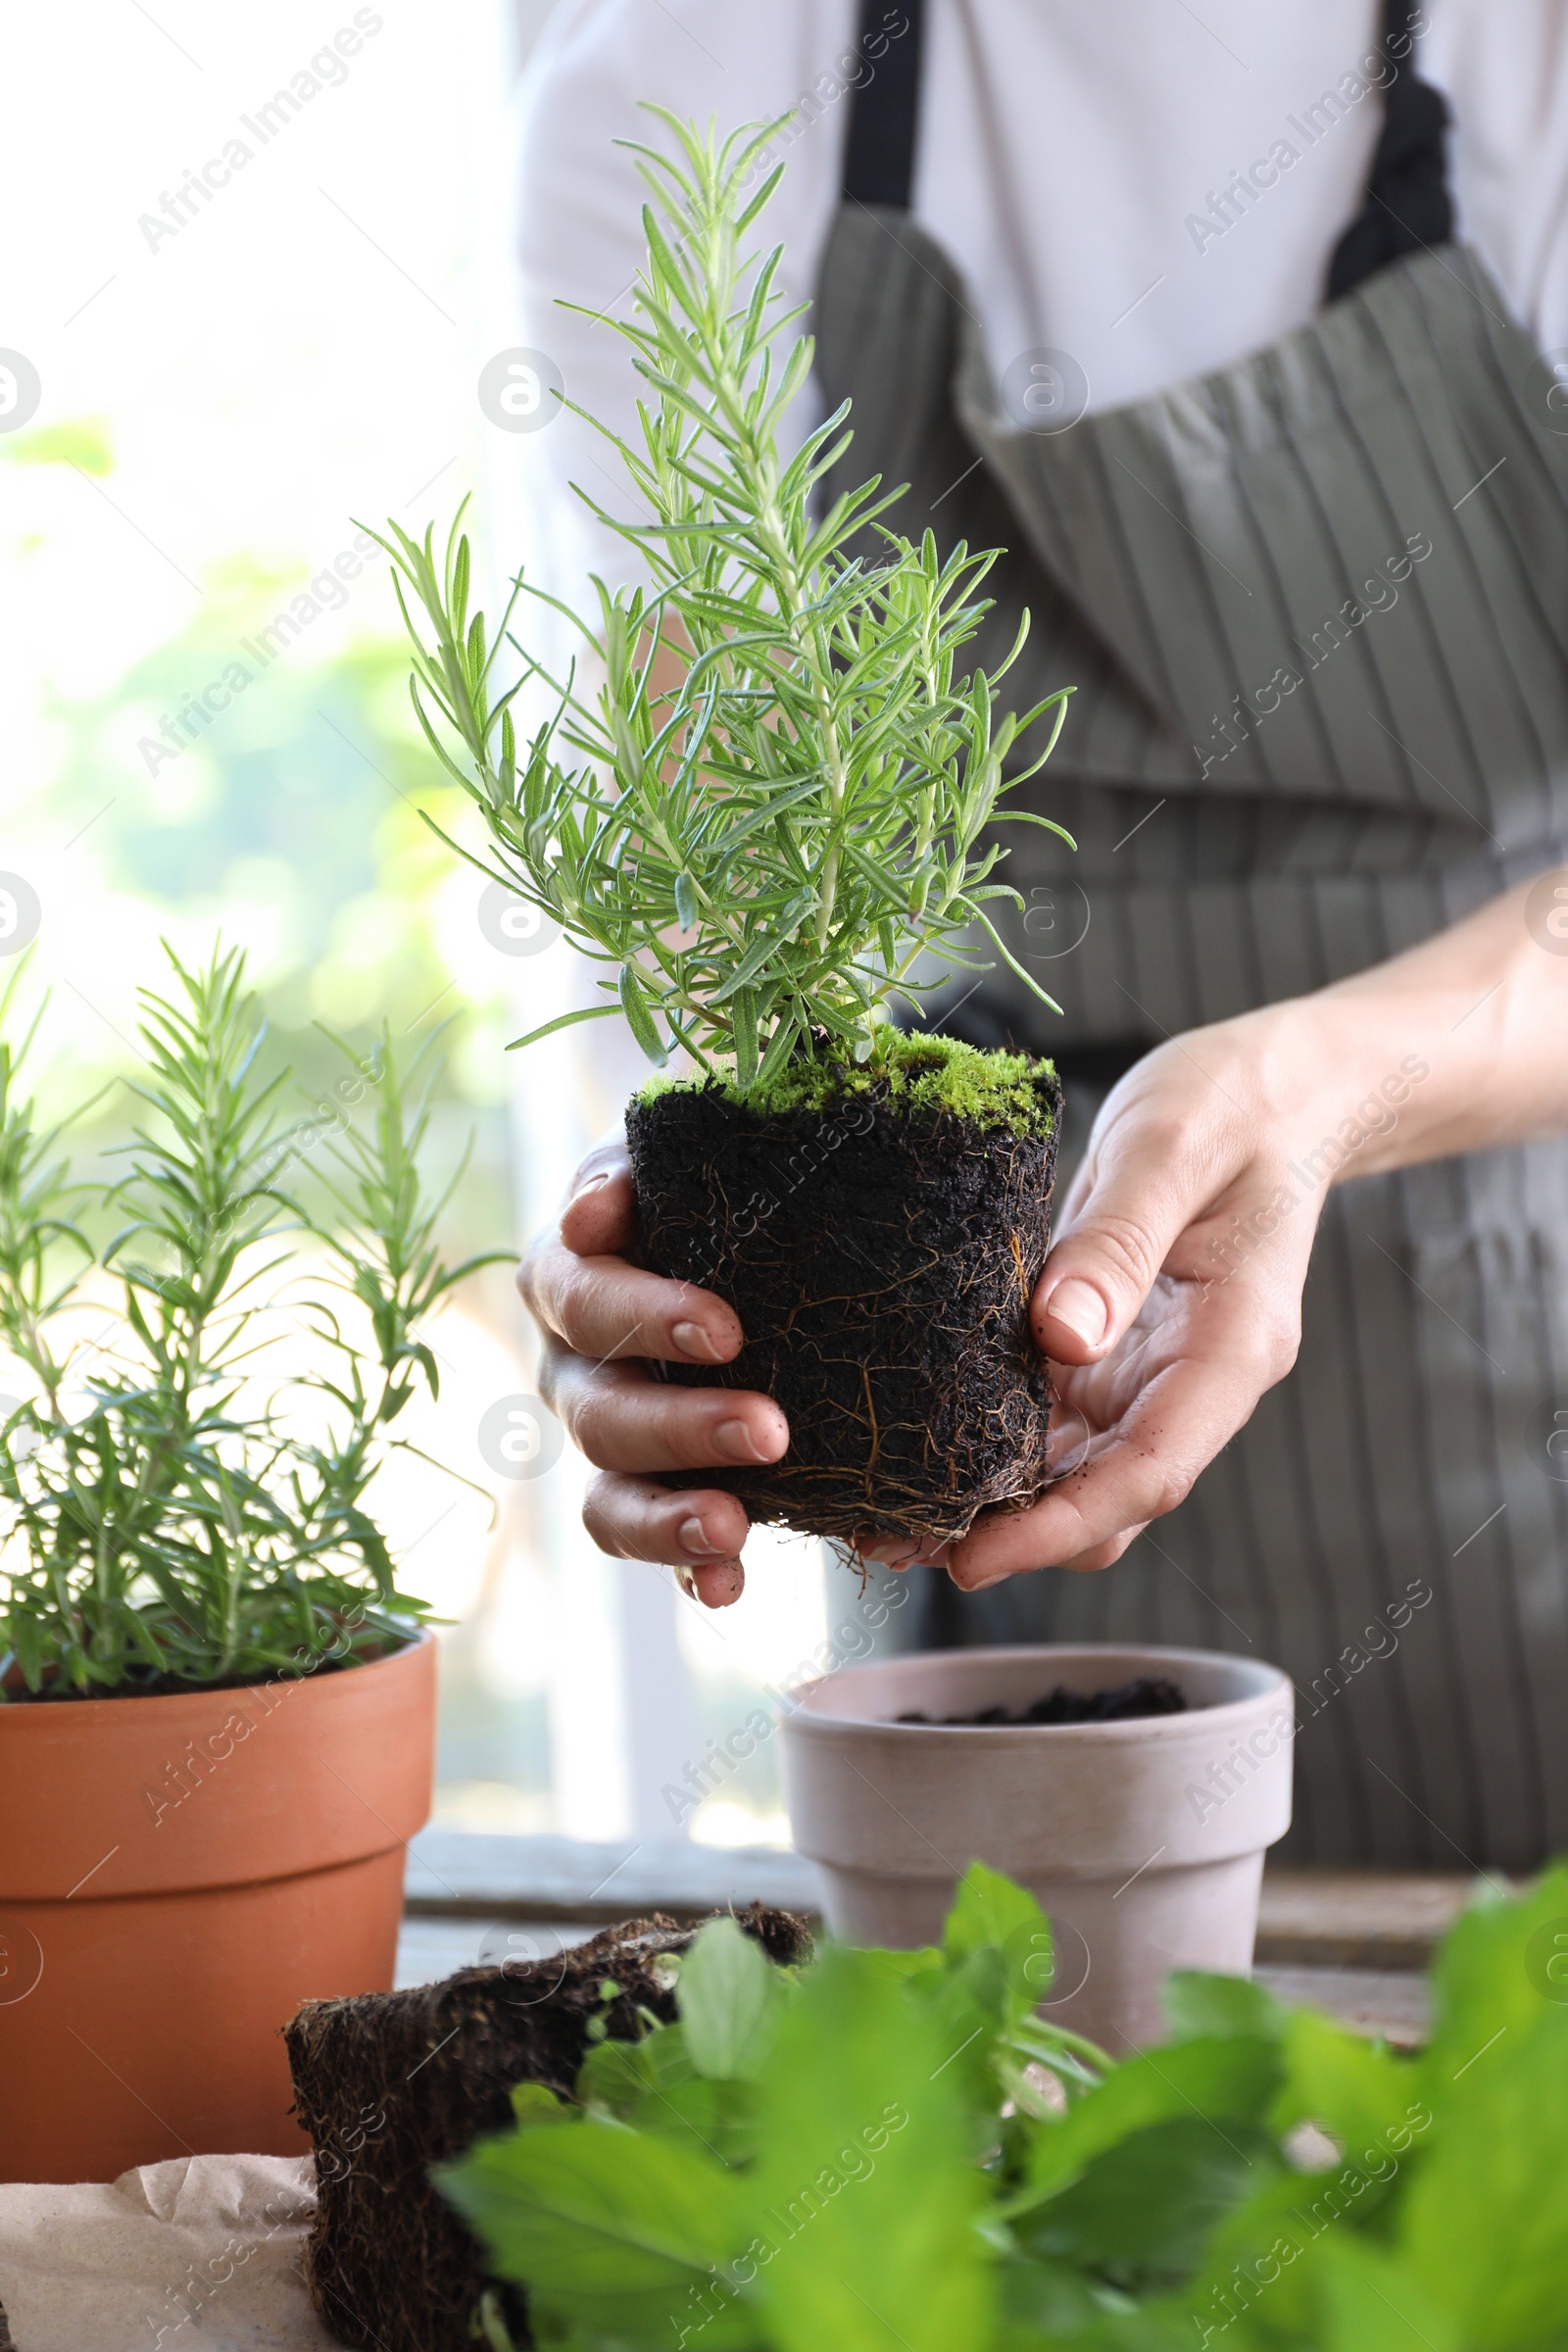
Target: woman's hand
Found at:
x=1172, y=1299
x=601, y=1319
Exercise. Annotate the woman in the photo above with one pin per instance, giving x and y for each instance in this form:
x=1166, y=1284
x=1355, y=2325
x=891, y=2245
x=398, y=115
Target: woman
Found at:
x=1173, y=305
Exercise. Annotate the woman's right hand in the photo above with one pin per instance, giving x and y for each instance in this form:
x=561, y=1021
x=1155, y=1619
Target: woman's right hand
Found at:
x=603, y=1319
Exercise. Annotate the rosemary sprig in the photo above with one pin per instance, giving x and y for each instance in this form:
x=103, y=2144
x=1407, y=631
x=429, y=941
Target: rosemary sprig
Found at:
x=769, y=849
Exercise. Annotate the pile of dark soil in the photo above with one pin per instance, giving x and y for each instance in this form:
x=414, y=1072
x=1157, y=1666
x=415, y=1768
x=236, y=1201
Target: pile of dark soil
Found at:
x=1151, y=1695
x=881, y=1261
x=387, y=2083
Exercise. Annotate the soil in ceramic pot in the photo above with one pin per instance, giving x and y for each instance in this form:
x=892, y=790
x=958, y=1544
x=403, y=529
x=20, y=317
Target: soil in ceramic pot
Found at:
x=880, y=1249
x=1150, y=1694
x=389, y=2084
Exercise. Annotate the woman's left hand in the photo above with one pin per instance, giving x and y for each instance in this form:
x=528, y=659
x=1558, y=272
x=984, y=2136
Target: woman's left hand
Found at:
x=1173, y=1298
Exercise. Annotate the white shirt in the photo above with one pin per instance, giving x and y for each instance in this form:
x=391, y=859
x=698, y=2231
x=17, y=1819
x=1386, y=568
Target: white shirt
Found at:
x=1073, y=158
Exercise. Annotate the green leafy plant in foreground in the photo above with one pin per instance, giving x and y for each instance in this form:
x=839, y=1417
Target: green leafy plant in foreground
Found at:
x=891, y=2148
x=764, y=850
x=157, y=1518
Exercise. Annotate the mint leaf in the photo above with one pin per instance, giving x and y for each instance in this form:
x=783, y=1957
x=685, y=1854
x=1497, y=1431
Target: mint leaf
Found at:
x=1205, y=2081
x=1143, y=2210
x=619, y=2233
x=1484, y=2223
x=1492, y=1976
x=717, y=2117
x=1199, y=2005
x=1263, y=2268
x=533, y=2103
x=653, y=2087
x=729, y=1995
x=989, y=1912
x=1368, y=2302
x=864, y=2197
x=622, y=2079
x=1364, y=2096
x=1052, y=2296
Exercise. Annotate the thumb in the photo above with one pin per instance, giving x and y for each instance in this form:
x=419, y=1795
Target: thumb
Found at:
x=1096, y=1277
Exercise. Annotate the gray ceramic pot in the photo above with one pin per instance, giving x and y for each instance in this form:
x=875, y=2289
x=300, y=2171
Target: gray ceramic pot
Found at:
x=1143, y=1841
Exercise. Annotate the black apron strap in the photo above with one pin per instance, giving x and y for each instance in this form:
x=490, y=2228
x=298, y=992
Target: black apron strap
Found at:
x=879, y=154
x=1408, y=208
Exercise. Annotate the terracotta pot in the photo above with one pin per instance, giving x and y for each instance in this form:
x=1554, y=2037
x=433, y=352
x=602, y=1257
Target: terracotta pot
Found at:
x=177, y=1876
x=1143, y=1841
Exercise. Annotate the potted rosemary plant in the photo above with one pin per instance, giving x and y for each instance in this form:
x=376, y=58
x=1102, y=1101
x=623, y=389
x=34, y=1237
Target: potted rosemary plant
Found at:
x=771, y=843
x=215, y=1702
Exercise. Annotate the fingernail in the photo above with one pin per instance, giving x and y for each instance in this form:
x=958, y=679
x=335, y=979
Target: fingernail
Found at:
x=687, y=1581
x=890, y=1554
x=1080, y=1306
x=694, y=1538
x=591, y=1185
x=692, y=1340
x=734, y=1442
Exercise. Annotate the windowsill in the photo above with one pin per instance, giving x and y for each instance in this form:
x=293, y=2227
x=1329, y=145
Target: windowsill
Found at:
x=1350, y=1942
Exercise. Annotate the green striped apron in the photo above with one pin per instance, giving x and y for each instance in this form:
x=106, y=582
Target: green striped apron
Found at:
x=1314, y=606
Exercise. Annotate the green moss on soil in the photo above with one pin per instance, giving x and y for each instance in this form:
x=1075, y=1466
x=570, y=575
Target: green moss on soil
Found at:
x=927, y=1074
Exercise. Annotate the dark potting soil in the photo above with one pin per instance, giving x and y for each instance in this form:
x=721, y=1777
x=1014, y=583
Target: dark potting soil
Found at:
x=388, y=2083
x=1150, y=1694
x=881, y=1264
x=176, y=1686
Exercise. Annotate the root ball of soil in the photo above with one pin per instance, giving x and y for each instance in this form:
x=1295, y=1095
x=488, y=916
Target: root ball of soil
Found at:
x=881, y=1260
x=388, y=2083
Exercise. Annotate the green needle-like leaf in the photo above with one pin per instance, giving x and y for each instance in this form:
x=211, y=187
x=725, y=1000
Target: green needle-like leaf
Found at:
x=772, y=836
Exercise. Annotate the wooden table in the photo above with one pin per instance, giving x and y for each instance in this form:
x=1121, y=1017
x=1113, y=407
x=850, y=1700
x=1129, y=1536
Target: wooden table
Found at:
x=1354, y=1942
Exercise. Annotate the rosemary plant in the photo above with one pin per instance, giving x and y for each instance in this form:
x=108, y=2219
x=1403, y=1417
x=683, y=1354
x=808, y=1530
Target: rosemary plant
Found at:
x=157, y=1525
x=767, y=851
